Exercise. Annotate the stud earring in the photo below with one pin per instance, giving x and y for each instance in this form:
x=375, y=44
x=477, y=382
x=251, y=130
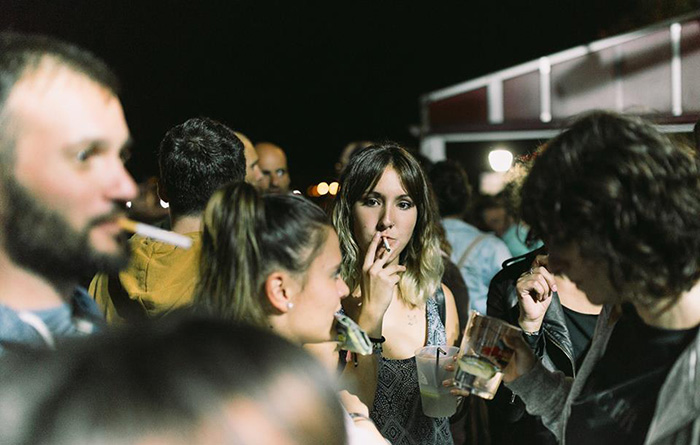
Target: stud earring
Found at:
x=290, y=305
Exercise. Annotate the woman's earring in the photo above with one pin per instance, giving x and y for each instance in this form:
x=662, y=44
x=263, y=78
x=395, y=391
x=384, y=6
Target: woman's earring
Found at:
x=290, y=305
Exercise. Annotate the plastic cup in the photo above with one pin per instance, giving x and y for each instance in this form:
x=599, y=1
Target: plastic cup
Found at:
x=483, y=355
x=435, y=398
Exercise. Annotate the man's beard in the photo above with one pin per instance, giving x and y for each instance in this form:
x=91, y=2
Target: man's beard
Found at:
x=42, y=241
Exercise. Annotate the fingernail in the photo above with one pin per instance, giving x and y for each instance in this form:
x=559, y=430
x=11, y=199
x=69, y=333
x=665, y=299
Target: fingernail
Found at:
x=554, y=288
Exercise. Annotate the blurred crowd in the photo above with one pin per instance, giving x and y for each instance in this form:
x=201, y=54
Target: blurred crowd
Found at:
x=212, y=304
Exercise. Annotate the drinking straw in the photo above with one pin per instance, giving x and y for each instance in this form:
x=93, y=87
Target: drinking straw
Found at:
x=437, y=361
x=154, y=232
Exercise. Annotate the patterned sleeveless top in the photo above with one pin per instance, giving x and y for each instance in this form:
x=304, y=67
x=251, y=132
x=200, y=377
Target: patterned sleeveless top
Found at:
x=397, y=409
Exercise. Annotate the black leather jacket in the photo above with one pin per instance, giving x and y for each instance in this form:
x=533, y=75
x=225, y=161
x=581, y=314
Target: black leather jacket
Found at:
x=508, y=419
x=553, y=344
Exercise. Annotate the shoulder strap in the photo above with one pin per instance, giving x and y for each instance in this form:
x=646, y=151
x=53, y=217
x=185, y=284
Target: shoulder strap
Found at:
x=465, y=255
x=440, y=300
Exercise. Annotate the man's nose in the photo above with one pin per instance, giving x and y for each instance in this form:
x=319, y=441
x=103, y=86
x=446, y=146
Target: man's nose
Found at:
x=120, y=186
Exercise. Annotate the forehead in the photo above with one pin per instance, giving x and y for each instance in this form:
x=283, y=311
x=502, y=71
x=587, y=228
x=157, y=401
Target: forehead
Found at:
x=389, y=183
x=329, y=255
x=250, y=154
x=271, y=157
x=67, y=106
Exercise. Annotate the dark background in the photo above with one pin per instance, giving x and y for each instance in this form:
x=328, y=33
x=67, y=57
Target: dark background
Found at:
x=312, y=76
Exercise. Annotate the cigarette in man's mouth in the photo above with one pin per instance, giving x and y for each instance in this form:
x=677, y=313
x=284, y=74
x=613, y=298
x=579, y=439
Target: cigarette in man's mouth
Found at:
x=386, y=245
x=154, y=232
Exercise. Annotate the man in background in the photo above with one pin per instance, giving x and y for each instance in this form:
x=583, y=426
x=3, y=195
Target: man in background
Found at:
x=273, y=163
x=195, y=159
x=253, y=174
x=477, y=254
x=63, y=187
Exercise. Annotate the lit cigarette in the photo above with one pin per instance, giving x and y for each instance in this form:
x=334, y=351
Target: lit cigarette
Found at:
x=386, y=245
x=154, y=232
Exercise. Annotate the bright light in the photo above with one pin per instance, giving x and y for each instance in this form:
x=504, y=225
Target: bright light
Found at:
x=500, y=160
x=322, y=188
x=333, y=188
x=128, y=204
x=164, y=204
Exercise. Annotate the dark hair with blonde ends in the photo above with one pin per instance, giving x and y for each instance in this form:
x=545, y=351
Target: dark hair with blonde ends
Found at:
x=421, y=256
x=246, y=237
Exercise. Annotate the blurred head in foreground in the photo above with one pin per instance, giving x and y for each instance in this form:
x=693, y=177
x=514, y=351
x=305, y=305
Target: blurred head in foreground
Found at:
x=182, y=382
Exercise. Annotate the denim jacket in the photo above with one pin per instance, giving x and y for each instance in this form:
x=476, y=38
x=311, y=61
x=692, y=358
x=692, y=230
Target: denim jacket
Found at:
x=79, y=317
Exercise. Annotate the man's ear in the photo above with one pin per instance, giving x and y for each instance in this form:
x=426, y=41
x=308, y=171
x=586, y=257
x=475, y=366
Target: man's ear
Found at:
x=161, y=191
x=280, y=288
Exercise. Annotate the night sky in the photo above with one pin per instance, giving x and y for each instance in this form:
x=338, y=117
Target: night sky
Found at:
x=312, y=76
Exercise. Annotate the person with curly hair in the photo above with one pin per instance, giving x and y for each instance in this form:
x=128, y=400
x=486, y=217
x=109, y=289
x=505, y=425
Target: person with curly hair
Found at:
x=617, y=205
x=386, y=221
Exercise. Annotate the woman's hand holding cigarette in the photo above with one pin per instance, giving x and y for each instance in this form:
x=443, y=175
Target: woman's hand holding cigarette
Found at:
x=377, y=285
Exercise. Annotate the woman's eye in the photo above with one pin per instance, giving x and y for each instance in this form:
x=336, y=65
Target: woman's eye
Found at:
x=371, y=202
x=405, y=205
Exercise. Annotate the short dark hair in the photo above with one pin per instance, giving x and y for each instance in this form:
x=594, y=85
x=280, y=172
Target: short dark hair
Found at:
x=195, y=159
x=21, y=54
x=166, y=379
x=626, y=195
x=451, y=187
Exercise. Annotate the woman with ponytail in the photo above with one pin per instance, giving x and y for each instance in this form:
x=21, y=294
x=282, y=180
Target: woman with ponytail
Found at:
x=273, y=261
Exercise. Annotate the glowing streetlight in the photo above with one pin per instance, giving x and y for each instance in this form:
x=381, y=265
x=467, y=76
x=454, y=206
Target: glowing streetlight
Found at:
x=500, y=160
x=322, y=188
x=333, y=188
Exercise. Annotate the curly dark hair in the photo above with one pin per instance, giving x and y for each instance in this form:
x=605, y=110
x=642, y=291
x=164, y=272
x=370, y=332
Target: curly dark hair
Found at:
x=626, y=195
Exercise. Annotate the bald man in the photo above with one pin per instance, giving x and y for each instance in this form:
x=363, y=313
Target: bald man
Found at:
x=273, y=163
x=253, y=174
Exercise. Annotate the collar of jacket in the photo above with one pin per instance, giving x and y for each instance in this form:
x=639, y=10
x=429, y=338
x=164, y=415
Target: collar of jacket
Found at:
x=678, y=406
